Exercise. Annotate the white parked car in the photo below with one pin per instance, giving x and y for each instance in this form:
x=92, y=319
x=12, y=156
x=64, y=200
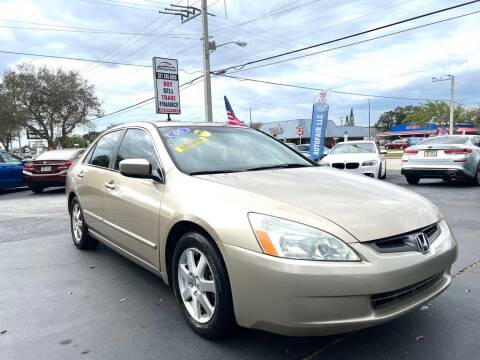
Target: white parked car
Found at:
x=362, y=157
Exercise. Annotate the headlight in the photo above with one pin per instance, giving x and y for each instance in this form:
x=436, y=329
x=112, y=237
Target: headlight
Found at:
x=370, y=163
x=324, y=163
x=288, y=239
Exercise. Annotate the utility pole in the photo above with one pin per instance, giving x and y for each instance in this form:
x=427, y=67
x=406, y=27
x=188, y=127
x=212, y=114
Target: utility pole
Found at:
x=206, y=65
x=250, y=116
x=369, y=136
x=188, y=13
x=452, y=97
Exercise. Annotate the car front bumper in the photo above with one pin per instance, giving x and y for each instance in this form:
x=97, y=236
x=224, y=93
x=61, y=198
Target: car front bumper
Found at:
x=302, y=298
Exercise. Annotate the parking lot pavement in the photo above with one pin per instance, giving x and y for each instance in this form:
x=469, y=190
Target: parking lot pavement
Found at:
x=60, y=303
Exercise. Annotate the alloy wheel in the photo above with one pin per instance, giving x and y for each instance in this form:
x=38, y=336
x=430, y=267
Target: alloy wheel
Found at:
x=77, y=223
x=197, y=285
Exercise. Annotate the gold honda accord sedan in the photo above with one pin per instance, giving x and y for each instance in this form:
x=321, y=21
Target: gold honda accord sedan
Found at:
x=250, y=232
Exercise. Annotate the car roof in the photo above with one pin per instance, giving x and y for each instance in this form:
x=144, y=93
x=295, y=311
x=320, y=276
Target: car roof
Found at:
x=179, y=123
x=160, y=124
x=356, y=142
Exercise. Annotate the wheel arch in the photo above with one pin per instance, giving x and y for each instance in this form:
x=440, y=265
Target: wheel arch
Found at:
x=180, y=228
x=70, y=198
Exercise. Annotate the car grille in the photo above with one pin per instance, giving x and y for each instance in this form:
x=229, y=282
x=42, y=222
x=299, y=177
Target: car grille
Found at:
x=350, y=165
x=405, y=242
x=385, y=299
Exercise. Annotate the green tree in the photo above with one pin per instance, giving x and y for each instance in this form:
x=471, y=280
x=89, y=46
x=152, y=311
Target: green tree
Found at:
x=75, y=141
x=394, y=117
x=51, y=104
x=256, y=125
x=434, y=111
x=9, y=126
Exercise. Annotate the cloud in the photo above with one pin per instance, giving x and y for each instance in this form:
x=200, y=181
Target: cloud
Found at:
x=400, y=65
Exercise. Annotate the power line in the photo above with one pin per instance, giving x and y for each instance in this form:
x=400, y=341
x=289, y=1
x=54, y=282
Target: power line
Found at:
x=100, y=31
x=74, y=58
x=186, y=85
x=356, y=35
x=241, y=66
x=333, y=91
x=145, y=8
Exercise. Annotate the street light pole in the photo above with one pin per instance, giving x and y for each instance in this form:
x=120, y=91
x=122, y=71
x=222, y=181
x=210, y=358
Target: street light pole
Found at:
x=452, y=97
x=452, y=101
x=369, y=137
x=206, y=65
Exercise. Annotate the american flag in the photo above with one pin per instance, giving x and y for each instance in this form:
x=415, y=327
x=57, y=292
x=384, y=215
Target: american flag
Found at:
x=231, y=117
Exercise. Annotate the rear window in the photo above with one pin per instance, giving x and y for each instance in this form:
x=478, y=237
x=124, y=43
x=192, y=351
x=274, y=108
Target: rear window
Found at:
x=59, y=155
x=445, y=140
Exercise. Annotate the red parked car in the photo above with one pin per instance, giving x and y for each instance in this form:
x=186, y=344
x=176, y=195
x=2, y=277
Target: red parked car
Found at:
x=397, y=144
x=49, y=169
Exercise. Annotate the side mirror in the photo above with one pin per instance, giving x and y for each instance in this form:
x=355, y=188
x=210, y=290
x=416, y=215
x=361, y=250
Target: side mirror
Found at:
x=136, y=168
x=383, y=152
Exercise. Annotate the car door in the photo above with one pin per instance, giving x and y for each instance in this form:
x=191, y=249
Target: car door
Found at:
x=91, y=189
x=11, y=171
x=134, y=203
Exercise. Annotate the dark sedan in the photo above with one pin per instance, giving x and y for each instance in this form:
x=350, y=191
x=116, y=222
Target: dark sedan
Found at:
x=397, y=144
x=49, y=169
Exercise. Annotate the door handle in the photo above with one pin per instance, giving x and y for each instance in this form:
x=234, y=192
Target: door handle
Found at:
x=110, y=185
x=81, y=174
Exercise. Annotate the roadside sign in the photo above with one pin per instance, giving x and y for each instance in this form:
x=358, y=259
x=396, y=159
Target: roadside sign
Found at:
x=167, y=91
x=31, y=136
x=300, y=131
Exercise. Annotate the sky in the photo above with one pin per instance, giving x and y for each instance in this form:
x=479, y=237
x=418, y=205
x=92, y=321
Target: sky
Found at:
x=400, y=65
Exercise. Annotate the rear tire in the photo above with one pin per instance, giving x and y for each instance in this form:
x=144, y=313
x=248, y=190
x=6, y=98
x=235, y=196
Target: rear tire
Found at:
x=37, y=189
x=81, y=239
x=412, y=180
x=191, y=291
x=475, y=181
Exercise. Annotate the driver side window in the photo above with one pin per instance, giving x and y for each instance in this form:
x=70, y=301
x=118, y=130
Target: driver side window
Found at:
x=137, y=144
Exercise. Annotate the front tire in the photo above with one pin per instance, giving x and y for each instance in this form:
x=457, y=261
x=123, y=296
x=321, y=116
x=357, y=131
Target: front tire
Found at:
x=81, y=239
x=412, y=180
x=37, y=189
x=202, y=287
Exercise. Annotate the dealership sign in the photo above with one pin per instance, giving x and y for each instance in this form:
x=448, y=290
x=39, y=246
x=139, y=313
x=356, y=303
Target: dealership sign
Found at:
x=167, y=92
x=319, y=126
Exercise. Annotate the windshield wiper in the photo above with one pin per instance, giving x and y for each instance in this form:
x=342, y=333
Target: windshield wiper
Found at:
x=208, y=172
x=280, y=166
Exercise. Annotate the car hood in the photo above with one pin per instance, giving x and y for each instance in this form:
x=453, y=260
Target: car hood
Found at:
x=350, y=157
x=366, y=208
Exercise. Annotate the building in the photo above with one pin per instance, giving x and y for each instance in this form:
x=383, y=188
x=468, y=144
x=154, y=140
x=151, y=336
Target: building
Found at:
x=287, y=131
x=413, y=130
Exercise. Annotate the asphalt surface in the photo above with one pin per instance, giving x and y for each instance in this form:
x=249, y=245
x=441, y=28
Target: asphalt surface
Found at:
x=57, y=302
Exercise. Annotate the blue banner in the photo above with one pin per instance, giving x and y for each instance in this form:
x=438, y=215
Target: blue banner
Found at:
x=319, y=126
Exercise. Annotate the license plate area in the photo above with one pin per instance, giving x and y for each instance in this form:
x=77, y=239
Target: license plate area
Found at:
x=45, y=168
x=430, y=153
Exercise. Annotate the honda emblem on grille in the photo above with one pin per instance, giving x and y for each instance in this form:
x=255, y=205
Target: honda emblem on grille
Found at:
x=422, y=243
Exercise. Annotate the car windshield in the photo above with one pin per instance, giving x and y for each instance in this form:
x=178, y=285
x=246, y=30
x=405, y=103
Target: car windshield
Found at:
x=445, y=140
x=352, y=148
x=200, y=150
x=59, y=155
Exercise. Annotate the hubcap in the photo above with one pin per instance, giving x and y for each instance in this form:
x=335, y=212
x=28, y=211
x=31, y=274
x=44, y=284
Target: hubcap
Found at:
x=77, y=223
x=196, y=284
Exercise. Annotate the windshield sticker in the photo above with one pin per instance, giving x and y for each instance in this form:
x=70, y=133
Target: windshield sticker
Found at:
x=203, y=136
x=178, y=132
